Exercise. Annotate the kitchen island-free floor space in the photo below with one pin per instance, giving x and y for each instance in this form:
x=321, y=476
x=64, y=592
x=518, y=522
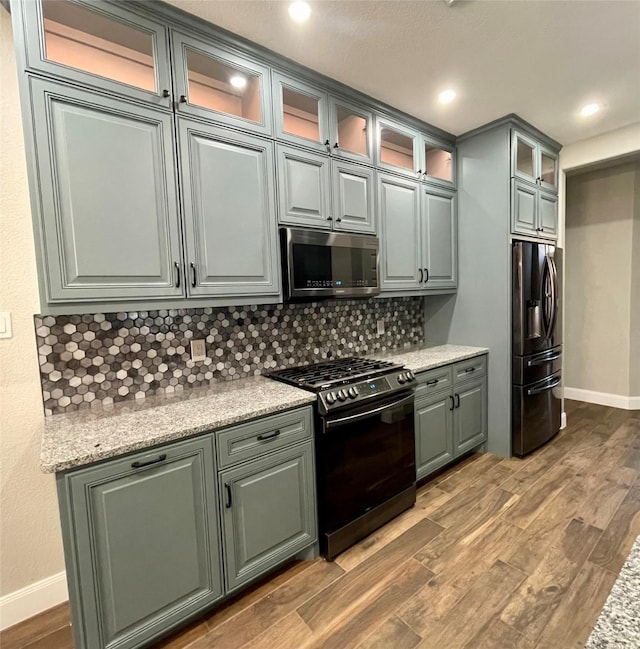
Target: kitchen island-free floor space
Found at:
x=516, y=553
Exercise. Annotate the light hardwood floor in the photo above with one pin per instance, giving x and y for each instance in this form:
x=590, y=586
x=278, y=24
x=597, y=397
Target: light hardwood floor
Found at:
x=496, y=554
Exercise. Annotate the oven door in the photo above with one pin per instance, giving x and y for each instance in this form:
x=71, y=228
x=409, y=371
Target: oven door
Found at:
x=366, y=456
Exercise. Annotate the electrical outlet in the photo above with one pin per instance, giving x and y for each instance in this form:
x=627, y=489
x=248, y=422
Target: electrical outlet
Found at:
x=380, y=327
x=5, y=325
x=198, y=350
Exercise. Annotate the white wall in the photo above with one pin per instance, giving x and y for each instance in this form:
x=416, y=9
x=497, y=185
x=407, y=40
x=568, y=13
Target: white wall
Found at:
x=30, y=541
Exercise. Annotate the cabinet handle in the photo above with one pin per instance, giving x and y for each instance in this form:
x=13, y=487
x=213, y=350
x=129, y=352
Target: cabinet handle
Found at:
x=194, y=279
x=263, y=438
x=470, y=369
x=228, y=490
x=433, y=382
x=339, y=220
x=335, y=146
x=457, y=400
x=453, y=403
x=426, y=275
x=138, y=465
x=328, y=145
x=177, y=267
x=419, y=172
x=183, y=99
x=421, y=275
x=329, y=218
x=166, y=93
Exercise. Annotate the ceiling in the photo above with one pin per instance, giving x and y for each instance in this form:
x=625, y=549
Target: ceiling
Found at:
x=541, y=59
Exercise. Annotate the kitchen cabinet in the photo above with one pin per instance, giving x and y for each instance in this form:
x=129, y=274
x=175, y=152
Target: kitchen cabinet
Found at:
x=350, y=131
x=217, y=84
x=99, y=45
x=418, y=236
x=316, y=191
x=109, y=226
x=450, y=413
x=228, y=198
x=141, y=542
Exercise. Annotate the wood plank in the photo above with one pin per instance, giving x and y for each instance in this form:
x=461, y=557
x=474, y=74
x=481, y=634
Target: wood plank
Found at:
x=185, y=636
x=36, y=627
x=289, y=631
x=60, y=639
x=541, y=593
x=522, y=480
x=480, y=470
x=338, y=598
x=393, y=632
x=617, y=539
x=498, y=635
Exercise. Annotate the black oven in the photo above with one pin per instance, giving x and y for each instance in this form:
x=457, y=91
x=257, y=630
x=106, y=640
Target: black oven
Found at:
x=366, y=469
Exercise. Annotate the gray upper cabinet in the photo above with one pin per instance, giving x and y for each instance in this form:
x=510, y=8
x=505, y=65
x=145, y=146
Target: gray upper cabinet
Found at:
x=440, y=239
x=524, y=206
x=301, y=113
x=351, y=131
x=547, y=214
x=304, y=188
x=353, y=197
x=228, y=199
x=397, y=148
x=401, y=255
x=142, y=543
x=548, y=169
x=216, y=84
x=524, y=162
x=109, y=211
x=438, y=163
x=100, y=45
x=269, y=512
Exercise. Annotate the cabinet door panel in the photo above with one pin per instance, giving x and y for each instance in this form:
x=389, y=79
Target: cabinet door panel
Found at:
x=228, y=200
x=146, y=542
x=440, y=239
x=548, y=169
x=397, y=148
x=470, y=428
x=304, y=184
x=548, y=214
x=525, y=198
x=351, y=130
x=524, y=158
x=109, y=206
x=434, y=433
x=399, y=209
x=353, y=198
x=269, y=512
x=99, y=45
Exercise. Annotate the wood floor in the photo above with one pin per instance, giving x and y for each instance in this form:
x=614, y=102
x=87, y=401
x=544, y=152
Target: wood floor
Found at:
x=496, y=554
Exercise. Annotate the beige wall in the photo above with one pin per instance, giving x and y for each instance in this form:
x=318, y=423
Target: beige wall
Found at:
x=634, y=344
x=30, y=542
x=598, y=279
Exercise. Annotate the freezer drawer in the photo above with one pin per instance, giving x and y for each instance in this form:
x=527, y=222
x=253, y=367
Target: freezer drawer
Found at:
x=535, y=367
x=536, y=413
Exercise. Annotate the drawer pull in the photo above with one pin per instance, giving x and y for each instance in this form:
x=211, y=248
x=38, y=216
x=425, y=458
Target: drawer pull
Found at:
x=470, y=369
x=228, y=490
x=264, y=438
x=433, y=382
x=138, y=465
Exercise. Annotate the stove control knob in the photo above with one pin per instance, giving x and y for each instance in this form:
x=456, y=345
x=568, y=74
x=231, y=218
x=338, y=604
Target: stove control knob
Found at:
x=410, y=376
x=331, y=398
x=342, y=395
x=353, y=392
x=401, y=378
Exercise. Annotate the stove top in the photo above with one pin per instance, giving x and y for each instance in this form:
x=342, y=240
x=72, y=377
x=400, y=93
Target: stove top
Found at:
x=344, y=382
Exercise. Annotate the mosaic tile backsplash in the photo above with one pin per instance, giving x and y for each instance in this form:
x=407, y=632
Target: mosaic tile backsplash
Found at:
x=109, y=357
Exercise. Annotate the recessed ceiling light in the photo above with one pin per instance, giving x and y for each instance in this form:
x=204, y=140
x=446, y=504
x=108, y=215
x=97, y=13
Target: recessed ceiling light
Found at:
x=589, y=109
x=238, y=82
x=299, y=11
x=447, y=96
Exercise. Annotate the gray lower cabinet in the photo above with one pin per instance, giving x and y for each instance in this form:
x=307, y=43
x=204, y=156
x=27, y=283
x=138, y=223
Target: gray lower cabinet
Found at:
x=141, y=542
x=450, y=413
x=108, y=222
x=269, y=512
x=228, y=197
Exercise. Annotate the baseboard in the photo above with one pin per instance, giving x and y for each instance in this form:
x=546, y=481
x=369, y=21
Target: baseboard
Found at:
x=603, y=398
x=563, y=420
x=31, y=600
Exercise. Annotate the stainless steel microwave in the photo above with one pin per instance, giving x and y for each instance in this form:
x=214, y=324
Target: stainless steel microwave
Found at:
x=318, y=264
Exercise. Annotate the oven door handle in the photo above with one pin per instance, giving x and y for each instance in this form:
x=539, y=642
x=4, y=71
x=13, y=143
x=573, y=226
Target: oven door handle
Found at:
x=335, y=423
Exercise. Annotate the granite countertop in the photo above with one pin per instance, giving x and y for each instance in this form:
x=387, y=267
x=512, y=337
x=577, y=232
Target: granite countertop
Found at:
x=87, y=436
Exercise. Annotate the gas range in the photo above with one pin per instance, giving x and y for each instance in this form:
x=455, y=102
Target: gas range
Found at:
x=347, y=382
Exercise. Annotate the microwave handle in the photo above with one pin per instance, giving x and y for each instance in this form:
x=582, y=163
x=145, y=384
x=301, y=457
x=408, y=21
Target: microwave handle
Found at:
x=351, y=419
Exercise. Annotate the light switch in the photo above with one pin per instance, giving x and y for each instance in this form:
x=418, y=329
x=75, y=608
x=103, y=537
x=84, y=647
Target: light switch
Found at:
x=5, y=324
x=198, y=350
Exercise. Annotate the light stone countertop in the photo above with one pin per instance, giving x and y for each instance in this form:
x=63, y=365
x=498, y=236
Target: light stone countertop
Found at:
x=87, y=436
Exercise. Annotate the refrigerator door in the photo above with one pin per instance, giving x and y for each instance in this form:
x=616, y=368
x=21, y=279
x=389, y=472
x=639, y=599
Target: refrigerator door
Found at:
x=535, y=367
x=535, y=306
x=536, y=413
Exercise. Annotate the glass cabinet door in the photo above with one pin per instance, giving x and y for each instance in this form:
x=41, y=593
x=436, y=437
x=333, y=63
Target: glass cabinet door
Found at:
x=216, y=84
x=524, y=158
x=397, y=149
x=103, y=46
x=351, y=131
x=439, y=164
x=548, y=169
x=300, y=113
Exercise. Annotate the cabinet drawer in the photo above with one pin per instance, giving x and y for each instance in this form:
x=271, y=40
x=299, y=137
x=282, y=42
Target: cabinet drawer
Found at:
x=252, y=440
x=434, y=381
x=472, y=368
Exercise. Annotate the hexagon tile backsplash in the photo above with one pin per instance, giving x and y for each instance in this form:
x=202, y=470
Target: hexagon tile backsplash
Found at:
x=109, y=357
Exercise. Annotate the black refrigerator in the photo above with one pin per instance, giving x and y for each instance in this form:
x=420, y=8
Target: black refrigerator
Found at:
x=537, y=350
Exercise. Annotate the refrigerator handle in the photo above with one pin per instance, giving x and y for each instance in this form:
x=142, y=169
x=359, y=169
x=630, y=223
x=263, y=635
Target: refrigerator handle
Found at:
x=555, y=290
x=548, y=301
